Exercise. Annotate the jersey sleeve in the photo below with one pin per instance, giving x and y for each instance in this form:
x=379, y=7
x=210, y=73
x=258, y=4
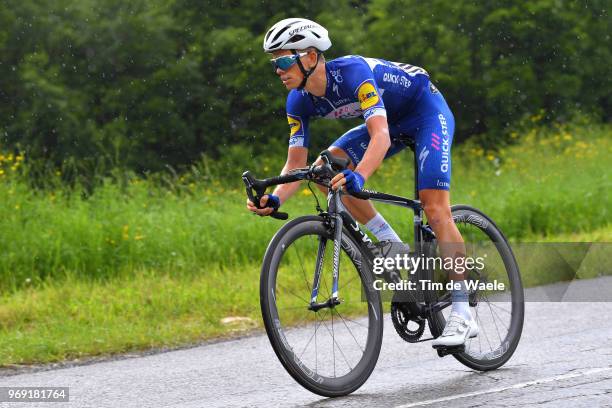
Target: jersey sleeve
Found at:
x=360, y=82
x=298, y=115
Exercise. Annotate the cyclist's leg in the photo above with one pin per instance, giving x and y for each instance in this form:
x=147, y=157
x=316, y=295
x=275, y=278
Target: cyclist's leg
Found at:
x=433, y=141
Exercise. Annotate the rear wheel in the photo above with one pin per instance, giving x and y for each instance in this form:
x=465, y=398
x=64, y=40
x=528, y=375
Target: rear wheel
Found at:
x=499, y=313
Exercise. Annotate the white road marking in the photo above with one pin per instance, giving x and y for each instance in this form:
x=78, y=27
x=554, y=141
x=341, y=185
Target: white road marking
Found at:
x=510, y=387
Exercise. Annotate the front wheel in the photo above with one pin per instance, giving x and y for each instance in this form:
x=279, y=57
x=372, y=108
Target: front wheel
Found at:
x=333, y=350
x=498, y=312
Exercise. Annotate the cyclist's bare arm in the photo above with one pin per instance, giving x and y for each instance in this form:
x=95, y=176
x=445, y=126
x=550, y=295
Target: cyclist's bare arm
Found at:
x=380, y=141
x=296, y=157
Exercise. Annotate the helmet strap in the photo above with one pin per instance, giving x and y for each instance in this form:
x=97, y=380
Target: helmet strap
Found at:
x=305, y=72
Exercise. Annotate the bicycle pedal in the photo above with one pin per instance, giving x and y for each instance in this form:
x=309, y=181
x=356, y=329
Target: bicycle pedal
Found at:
x=446, y=350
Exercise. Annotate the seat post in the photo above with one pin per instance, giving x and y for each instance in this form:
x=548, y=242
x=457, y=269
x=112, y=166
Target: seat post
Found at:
x=418, y=213
x=416, y=173
x=412, y=145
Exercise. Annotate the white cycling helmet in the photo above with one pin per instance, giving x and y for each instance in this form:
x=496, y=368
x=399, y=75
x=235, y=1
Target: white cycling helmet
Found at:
x=296, y=34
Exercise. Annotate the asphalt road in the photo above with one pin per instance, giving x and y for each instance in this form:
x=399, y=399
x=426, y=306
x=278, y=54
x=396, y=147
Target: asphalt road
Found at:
x=564, y=359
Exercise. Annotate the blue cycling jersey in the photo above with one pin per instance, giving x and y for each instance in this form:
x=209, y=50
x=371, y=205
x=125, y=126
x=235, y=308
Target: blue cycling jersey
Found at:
x=368, y=87
x=357, y=86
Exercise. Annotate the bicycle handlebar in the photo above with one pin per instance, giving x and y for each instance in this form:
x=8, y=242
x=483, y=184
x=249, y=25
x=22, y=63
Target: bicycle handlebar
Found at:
x=320, y=174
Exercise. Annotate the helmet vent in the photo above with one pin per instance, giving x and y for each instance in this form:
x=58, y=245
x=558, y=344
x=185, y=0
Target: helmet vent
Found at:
x=275, y=45
x=295, y=38
x=315, y=34
x=281, y=31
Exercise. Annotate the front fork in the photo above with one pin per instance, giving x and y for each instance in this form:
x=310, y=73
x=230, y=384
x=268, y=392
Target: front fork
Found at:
x=334, y=207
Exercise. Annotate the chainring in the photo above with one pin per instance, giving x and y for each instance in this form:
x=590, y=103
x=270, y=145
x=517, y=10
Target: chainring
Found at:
x=401, y=317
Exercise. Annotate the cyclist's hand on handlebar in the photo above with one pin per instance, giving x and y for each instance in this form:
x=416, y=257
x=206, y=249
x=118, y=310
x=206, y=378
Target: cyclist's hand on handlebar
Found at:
x=351, y=179
x=268, y=203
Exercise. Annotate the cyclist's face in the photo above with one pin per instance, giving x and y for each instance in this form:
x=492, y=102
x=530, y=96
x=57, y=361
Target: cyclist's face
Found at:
x=292, y=77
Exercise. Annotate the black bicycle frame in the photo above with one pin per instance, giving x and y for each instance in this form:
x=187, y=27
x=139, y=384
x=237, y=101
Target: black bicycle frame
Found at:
x=342, y=218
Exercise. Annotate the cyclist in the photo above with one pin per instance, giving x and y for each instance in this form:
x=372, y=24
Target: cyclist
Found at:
x=397, y=101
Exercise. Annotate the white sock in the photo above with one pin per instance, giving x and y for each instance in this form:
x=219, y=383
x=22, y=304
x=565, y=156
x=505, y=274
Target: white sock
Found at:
x=381, y=229
x=461, y=305
x=463, y=309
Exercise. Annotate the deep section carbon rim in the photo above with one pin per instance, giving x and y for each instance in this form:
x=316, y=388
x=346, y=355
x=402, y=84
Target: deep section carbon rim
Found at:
x=333, y=350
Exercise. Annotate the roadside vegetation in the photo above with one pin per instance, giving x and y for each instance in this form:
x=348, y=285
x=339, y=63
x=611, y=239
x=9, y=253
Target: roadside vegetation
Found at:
x=152, y=262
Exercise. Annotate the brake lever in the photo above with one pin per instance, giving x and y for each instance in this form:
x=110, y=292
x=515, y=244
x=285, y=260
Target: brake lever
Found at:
x=249, y=182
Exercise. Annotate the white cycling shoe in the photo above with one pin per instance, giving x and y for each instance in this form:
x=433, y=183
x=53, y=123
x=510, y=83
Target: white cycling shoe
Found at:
x=457, y=330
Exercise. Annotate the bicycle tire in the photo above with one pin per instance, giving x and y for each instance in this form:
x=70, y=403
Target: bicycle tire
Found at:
x=319, y=384
x=498, y=357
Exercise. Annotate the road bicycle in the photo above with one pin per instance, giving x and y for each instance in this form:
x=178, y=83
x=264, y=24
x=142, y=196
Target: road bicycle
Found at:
x=319, y=294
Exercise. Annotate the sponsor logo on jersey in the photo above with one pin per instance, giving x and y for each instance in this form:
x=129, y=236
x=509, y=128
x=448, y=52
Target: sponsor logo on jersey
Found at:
x=295, y=126
x=445, y=144
x=350, y=110
x=367, y=95
x=423, y=155
x=340, y=102
x=432, y=88
x=411, y=70
x=337, y=75
x=336, y=90
x=396, y=79
x=435, y=141
x=374, y=112
x=354, y=156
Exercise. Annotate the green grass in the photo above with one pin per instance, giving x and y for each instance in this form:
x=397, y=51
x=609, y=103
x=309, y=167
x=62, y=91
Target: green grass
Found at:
x=75, y=318
x=136, y=265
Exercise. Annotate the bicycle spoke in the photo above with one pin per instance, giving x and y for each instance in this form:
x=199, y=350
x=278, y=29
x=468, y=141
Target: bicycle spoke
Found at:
x=500, y=308
x=484, y=331
x=292, y=293
x=493, y=313
x=355, y=322
x=333, y=341
x=349, y=281
x=291, y=307
x=334, y=348
x=349, y=330
x=316, y=352
x=311, y=337
x=495, y=323
x=301, y=262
